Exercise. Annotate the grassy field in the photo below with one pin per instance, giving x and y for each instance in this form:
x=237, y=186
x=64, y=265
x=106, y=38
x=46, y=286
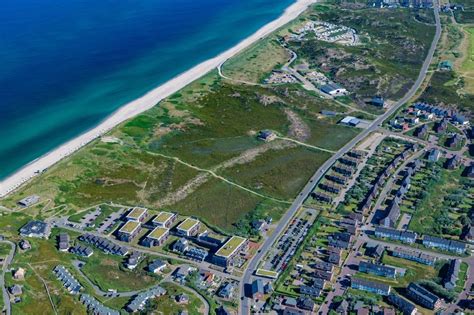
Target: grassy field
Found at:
x=167, y=305
x=445, y=198
x=255, y=63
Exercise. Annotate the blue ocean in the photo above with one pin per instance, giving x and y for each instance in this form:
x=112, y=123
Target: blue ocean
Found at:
x=66, y=65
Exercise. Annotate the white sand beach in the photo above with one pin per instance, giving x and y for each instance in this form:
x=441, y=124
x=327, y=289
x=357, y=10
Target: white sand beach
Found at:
x=144, y=103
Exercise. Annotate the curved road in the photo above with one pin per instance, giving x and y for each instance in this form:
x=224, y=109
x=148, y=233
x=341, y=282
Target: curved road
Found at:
x=6, y=297
x=244, y=308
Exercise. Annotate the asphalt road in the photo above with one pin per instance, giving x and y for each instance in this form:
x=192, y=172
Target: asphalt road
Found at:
x=6, y=264
x=298, y=202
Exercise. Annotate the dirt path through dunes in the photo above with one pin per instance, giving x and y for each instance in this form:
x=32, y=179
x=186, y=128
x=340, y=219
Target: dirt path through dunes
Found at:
x=193, y=184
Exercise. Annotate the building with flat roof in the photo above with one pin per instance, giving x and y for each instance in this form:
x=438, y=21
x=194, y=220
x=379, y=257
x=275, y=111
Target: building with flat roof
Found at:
x=137, y=214
x=350, y=121
x=188, y=227
x=370, y=286
x=423, y=297
x=226, y=254
x=333, y=89
x=128, y=231
x=35, y=228
x=156, y=237
x=164, y=219
x=29, y=201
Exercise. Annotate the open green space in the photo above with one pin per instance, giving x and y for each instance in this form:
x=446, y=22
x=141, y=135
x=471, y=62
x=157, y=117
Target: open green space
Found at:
x=108, y=272
x=445, y=199
x=255, y=63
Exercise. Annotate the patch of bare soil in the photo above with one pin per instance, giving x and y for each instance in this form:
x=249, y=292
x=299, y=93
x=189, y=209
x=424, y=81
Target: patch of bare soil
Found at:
x=299, y=130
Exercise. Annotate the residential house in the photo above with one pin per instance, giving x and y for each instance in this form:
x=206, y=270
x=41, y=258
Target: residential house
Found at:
x=266, y=135
x=81, y=250
x=434, y=155
x=370, y=286
x=451, y=277
x=181, y=245
x=24, y=245
x=188, y=227
x=453, y=141
x=257, y=289
x=157, y=237
x=137, y=214
x=321, y=197
x=227, y=254
x=69, y=282
x=343, y=308
x=306, y=303
x=421, y=131
x=423, y=297
x=129, y=231
x=95, y=307
x=414, y=255
x=133, y=260
x=330, y=187
x=405, y=236
x=63, y=242
x=403, y=305
x=453, y=162
x=444, y=244
x=378, y=270
x=164, y=219
x=19, y=274
x=377, y=101
x=310, y=290
x=393, y=213
x=104, y=245
x=139, y=301
x=226, y=291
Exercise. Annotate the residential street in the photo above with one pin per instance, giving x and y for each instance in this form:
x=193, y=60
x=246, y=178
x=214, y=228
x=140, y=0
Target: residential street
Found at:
x=298, y=202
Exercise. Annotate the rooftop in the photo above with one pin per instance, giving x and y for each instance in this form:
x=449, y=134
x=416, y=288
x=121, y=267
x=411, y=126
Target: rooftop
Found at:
x=163, y=217
x=231, y=246
x=187, y=224
x=136, y=213
x=129, y=227
x=158, y=232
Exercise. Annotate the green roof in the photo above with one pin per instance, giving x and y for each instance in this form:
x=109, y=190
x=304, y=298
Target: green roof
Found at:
x=136, y=213
x=129, y=227
x=163, y=217
x=158, y=232
x=187, y=224
x=266, y=273
x=231, y=246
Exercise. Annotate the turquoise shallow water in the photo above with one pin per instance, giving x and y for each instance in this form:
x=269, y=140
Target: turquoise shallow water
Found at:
x=66, y=65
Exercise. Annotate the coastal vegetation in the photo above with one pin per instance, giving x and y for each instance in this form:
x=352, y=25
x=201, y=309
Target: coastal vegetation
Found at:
x=196, y=152
x=376, y=66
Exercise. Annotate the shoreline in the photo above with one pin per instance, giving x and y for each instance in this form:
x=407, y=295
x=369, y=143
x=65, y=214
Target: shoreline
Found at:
x=144, y=103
